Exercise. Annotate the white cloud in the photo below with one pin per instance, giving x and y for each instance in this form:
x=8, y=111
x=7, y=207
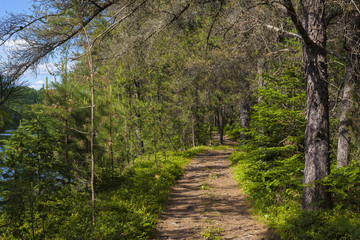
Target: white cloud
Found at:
x=15, y=43
x=39, y=82
x=36, y=86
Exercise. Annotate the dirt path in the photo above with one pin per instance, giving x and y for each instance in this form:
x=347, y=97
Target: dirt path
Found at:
x=207, y=204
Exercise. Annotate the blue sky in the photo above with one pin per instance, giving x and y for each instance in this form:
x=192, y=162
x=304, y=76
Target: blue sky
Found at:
x=19, y=6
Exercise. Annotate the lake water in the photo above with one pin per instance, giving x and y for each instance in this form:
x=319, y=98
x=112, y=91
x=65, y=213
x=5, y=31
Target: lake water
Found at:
x=4, y=136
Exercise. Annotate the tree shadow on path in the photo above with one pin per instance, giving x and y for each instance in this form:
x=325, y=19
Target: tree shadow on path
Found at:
x=206, y=200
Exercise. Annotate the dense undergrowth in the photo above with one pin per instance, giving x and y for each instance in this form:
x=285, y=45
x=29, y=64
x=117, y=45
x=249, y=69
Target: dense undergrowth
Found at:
x=269, y=167
x=274, y=190
x=127, y=207
x=130, y=211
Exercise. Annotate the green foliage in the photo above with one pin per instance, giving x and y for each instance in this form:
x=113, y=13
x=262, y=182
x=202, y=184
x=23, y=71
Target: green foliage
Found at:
x=212, y=232
x=32, y=174
x=128, y=204
x=269, y=167
x=344, y=185
x=13, y=111
x=130, y=211
x=292, y=223
x=272, y=159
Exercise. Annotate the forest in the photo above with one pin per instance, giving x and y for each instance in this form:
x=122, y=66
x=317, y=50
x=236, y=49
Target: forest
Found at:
x=143, y=86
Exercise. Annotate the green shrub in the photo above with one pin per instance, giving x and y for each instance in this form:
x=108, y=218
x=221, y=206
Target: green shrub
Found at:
x=127, y=204
x=269, y=169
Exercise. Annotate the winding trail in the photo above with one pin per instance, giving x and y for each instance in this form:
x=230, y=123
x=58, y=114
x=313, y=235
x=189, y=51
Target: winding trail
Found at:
x=206, y=203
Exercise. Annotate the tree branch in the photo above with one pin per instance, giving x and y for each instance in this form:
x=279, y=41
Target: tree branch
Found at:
x=283, y=31
x=38, y=45
x=112, y=26
x=213, y=23
x=295, y=19
x=160, y=29
x=356, y=7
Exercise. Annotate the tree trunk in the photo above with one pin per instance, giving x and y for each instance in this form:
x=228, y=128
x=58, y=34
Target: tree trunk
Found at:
x=138, y=130
x=132, y=150
x=193, y=132
x=127, y=147
x=163, y=141
x=140, y=142
x=92, y=144
x=353, y=36
x=343, y=148
x=110, y=131
x=92, y=127
x=66, y=152
x=155, y=156
x=317, y=163
x=67, y=137
x=210, y=134
x=111, y=144
x=220, y=122
x=244, y=120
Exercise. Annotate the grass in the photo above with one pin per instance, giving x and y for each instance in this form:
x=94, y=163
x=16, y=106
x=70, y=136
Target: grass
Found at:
x=142, y=195
x=276, y=200
x=212, y=232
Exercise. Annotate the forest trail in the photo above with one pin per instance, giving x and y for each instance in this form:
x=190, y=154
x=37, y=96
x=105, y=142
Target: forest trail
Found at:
x=206, y=203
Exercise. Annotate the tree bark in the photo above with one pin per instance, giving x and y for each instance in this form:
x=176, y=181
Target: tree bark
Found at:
x=210, y=134
x=138, y=130
x=244, y=120
x=92, y=127
x=220, y=122
x=92, y=144
x=317, y=162
x=155, y=155
x=111, y=143
x=312, y=28
x=193, y=132
x=352, y=37
x=163, y=141
x=66, y=151
x=343, y=148
x=67, y=136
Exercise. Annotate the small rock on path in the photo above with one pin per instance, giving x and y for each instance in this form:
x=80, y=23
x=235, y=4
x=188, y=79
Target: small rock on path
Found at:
x=207, y=203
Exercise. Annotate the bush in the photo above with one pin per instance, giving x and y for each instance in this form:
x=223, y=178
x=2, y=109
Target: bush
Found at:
x=269, y=169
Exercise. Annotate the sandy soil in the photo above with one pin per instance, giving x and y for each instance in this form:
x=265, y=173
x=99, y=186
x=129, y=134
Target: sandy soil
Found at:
x=206, y=203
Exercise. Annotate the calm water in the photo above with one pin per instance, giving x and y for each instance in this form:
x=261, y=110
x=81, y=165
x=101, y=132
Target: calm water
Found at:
x=4, y=136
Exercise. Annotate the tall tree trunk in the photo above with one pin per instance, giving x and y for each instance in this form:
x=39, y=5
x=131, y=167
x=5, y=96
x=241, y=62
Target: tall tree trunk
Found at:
x=132, y=150
x=210, y=135
x=140, y=142
x=127, y=143
x=138, y=96
x=163, y=141
x=193, y=132
x=317, y=162
x=244, y=120
x=129, y=127
x=92, y=126
x=352, y=37
x=67, y=137
x=66, y=151
x=343, y=148
x=110, y=131
x=92, y=143
x=220, y=122
x=155, y=155
x=111, y=144
x=217, y=123
x=312, y=27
